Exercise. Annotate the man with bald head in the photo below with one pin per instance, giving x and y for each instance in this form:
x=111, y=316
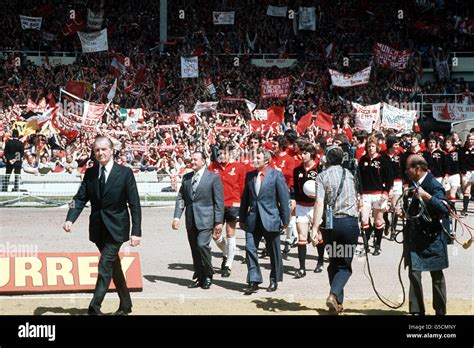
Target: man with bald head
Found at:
x=109, y=187
x=425, y=238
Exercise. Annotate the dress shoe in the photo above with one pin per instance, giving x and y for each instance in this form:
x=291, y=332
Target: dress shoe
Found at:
x=93, y=311
x=123, y=311
x=206, y=283
x=251, y=288
x=224, y=261
x=195, y=284
x=273, y=286
x=264, y=253
x=464, y=213
x=332, y=304
x=319, y=267
x=226, y=272
x=301, y=273
x=376, y=251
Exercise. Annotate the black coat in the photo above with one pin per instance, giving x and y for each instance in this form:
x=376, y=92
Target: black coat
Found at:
x=14, y=149
x=425, y=243
x=111, y=212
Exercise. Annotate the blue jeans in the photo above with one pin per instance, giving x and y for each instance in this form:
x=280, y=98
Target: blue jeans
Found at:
x=341, y=243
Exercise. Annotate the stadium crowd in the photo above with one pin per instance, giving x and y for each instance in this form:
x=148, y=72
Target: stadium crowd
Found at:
x=153, y=82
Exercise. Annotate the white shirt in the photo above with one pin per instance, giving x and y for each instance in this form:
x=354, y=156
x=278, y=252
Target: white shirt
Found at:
x=201, y=173
x=108, y=169
x=422, y=179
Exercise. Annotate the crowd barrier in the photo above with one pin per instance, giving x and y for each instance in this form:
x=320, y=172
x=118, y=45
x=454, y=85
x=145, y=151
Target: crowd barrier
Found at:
x=56, y=189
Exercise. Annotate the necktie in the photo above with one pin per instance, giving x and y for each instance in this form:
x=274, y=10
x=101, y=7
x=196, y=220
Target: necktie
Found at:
x=258, y=183
x=102, y=181
x=195, y=183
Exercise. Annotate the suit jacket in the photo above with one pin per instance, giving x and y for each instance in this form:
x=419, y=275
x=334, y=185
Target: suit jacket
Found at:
x=206, y=208
x=14, y=148
x=272, y=202
x=110, y=212
x=425, y=243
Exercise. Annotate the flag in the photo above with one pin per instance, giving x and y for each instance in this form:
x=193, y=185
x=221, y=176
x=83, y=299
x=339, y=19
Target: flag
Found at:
x=250, y=105
x=140, y=76
x=275, y=114
x=323, y=121
x=210, y=86
x=77, y=88
x=74, y=25
x=186, y=118
x=206, y=106
x=112, y=92
x=329, y=50
x=117, y=65
x=304, y=122
x=445, y=115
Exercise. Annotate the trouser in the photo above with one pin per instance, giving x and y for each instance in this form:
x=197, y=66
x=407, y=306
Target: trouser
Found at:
x=199, y=241
x=415, y=295
x=110, y=268
x=272, y=240
x=6, y=178
x=341, y=244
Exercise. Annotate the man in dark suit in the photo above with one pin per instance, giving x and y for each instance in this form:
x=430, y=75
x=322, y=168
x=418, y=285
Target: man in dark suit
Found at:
x=13, y=155
x=109, y=187
x=264, y=211
x=202, y=195
x=425, y=239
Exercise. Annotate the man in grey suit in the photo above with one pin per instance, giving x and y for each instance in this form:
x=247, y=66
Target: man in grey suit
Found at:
x=264, y=211
x=202, y=195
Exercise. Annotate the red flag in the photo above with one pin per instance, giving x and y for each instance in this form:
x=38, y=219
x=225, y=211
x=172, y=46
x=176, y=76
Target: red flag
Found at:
x=74, y=25
x=304, y=122
x=445, y=114
x=323, y=121
x=257, y=126
x=78, y=88
x=197, y=51
x=139, y=76
x=70, y=134
x=275, y=114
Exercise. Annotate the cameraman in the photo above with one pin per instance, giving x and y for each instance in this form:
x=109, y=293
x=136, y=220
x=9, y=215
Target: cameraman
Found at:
x=425, y=242
x=335, y=189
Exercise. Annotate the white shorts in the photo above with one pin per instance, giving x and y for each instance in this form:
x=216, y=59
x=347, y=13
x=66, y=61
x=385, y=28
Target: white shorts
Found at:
x=304, y=214
x=440, y=180
x=454, y=180
x=469, y=178
x=397, y=188
x=374, y=200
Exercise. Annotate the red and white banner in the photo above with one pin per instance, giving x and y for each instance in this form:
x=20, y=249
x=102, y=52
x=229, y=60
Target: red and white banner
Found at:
x=451, y=112
x=132, y=115
x=345, y=80
x=221, y=114
x=30, y=22
x=29, y=272
x=227, y=129
x=399, y=119
x=223, y=18
x=78, y=114
x=389, y=57
x=94, y=42
x=186, y=117
x=32, y=106
x=167, y=126
x=367, y=117
x=206, y=106
x=279, y=88
x=139, y=148
x=94, y=19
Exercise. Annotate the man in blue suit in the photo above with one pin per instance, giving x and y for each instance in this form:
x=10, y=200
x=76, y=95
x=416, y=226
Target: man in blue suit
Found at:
x=264, y=211
x=425, y=239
